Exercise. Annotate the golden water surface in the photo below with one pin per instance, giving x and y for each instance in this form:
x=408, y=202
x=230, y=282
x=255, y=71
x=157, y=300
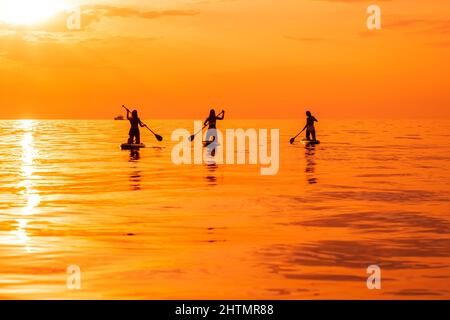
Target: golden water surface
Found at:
x=140, y=227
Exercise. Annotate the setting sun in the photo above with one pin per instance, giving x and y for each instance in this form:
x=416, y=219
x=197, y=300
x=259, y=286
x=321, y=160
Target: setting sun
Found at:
x=28, y=11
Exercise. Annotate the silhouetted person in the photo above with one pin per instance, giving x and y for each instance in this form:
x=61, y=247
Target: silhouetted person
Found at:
x=211, y=122
x=135, y=122
x=310, y=130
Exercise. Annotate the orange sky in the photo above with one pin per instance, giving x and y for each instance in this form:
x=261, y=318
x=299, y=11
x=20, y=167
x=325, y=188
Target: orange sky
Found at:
x=255, y=58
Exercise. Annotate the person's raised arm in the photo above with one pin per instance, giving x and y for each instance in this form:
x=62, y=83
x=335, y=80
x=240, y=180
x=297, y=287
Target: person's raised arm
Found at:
x=222, y=116
x=314, y=118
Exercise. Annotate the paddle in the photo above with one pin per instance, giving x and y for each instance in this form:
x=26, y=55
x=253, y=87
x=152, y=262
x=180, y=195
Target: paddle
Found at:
x=191, y=138
x=157, y=136
x=293, y=139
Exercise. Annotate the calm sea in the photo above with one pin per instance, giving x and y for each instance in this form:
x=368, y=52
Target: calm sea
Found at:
x=138, y=226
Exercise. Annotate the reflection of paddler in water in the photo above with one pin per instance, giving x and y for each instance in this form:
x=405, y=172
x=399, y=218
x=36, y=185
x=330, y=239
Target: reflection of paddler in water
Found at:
x=134, y=154
x=211, y=177
x=310, y=152
x=211, y=134
x=135, y=179
x=135, y=175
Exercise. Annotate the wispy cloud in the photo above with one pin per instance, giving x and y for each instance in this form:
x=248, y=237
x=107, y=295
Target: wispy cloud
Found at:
x=102, y=11
x=417, y=25
x=431, y=28
x=94, y=13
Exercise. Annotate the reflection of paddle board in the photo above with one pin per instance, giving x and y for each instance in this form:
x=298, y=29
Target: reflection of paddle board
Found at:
x=207, y=143
x=131, y=146
x=310, y=142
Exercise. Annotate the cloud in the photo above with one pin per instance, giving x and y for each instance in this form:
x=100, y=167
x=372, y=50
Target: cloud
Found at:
x=433, y=28
x=91, y=14
x=417, y=25
x=97, y=12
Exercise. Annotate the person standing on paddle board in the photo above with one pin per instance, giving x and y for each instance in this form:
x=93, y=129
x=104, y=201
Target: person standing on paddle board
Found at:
x=135, y=122
x=310, y=129
x=211, y=122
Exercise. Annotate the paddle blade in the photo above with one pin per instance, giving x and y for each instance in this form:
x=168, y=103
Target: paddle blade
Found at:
x=292, y=140
x=191, y=138
x=158, y=137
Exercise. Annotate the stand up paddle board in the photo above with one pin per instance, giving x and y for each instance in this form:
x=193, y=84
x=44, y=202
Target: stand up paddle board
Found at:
x=132, y=146
x=310, y=142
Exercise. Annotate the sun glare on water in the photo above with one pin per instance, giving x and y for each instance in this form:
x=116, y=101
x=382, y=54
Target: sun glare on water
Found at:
x=26, y=12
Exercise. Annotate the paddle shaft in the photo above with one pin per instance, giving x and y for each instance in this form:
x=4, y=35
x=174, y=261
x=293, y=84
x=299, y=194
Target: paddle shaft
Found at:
x=200, y=130
x=299, y=134
x=149, y=129
x=293, y=139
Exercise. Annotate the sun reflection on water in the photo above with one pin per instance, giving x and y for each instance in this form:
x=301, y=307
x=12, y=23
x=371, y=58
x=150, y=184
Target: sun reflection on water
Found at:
x=30, y=195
